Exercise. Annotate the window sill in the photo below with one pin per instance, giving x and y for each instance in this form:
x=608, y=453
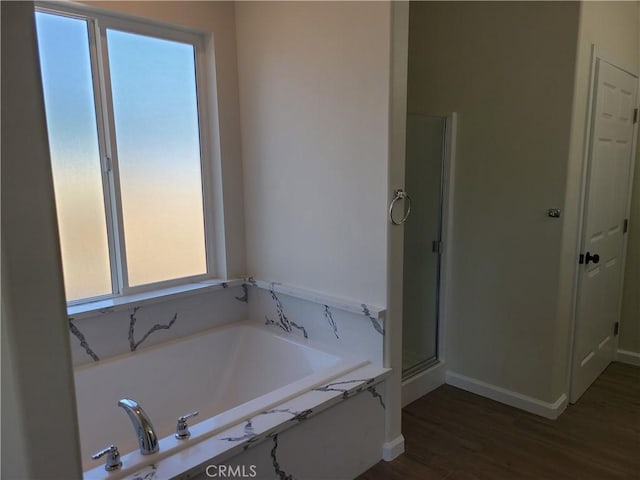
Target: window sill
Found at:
x=115, y=304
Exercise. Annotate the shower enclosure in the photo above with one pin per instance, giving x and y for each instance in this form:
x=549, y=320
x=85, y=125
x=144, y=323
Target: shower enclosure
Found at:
x=424, y=181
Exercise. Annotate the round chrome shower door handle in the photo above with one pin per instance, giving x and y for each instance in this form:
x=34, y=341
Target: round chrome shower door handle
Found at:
x=399, y=194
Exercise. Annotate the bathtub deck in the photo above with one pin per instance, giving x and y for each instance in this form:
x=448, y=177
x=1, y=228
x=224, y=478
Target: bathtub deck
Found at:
x=238, y=438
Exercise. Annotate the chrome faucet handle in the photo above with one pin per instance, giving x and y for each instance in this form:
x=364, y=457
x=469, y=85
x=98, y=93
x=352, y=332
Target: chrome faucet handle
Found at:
x=182, y=429
x=113, y=458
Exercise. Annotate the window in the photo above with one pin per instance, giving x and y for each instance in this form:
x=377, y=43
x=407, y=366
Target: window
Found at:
x=126, y=133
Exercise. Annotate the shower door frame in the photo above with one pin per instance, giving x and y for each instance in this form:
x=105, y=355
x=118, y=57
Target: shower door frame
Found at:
x=430, y=375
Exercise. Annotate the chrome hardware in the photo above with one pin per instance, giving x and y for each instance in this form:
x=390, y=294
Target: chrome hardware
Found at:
x=553, y=213
x=399, y=194
x=182, y=429
x=113, y=458
x=147, y=438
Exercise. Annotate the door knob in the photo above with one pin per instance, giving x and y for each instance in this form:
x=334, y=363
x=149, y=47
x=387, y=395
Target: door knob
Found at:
x=586, y=258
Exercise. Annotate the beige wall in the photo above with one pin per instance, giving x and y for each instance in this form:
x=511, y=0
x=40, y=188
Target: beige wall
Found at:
x=218, y=19
x=314, y=90
x=613, y=28
x=508, y=70
x=39, y=426
x=630, y=322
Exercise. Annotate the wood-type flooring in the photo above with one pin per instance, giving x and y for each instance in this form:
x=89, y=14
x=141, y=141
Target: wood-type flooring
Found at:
x=456, y=435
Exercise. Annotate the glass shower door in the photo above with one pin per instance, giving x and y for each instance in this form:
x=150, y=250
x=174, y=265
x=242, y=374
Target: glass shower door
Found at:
x=425, y=140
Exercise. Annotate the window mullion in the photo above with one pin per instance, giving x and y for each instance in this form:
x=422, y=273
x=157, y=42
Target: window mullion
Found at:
x=113, y=203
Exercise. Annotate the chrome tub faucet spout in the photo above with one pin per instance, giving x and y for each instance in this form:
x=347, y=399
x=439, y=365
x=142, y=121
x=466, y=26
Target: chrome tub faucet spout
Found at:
x=147, y=438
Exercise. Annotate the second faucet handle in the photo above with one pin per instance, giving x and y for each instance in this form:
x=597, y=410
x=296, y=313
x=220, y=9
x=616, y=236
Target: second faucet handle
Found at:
x=113, y=458
x=182, y=429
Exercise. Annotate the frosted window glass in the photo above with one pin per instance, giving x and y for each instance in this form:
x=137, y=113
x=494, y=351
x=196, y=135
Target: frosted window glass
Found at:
x=156, y=123
x=71, y=121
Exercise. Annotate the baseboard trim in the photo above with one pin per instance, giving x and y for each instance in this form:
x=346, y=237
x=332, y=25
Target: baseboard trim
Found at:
x=508, y=397
x=422, y=383
x=626, y=356
x=393, y=449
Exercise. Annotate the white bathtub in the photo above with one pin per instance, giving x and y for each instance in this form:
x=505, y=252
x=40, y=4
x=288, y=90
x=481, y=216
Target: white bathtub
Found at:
x=228, y=374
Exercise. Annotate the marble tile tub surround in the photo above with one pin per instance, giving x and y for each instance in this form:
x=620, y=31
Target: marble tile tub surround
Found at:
x=347, y=325
x=263, y=430
x=340, y=443
x=104, y=335
x=344, y=325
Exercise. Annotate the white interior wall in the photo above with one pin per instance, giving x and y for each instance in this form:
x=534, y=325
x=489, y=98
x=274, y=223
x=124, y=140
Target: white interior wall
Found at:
x=38, y=402
x=507, y=69
x=394, y=441
x=613, y=27
x=314, y=101
x=315, y=81
x=630, y=322
x=13, y=441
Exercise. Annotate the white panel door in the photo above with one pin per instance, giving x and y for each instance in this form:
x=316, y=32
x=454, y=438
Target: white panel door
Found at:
x=603, y=237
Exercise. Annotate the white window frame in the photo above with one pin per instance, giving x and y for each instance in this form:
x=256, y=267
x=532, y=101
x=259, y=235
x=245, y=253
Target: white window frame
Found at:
x=98, y=21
